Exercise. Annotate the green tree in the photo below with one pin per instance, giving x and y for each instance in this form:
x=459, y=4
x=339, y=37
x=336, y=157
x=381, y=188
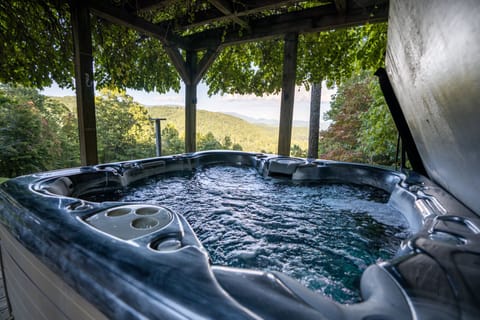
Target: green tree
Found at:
x=340, y=141
x=60, y=120
x=378, y=134
x=36, y=49
x=227, y=143
x=124, y=130
x=171, y=141
x=29, y=141
x=250, y=68
x=36, y=44
x=362, y=129
x=256, y=67
x=126, y=59
x=68, y=133
x=297, y=151
x=208, y=142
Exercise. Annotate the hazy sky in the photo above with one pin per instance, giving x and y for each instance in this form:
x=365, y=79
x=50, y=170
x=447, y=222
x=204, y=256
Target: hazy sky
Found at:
x=267, y=107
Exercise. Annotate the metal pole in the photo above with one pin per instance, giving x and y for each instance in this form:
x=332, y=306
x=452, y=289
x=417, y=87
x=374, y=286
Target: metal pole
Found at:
x=158, y=135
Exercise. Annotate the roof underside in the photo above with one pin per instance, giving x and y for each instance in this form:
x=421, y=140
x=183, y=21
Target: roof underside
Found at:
x=206, y=24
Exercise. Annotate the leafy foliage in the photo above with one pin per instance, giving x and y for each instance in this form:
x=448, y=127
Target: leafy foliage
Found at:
x=39, y=133
x=231, y=132
x=36, y=48
x=171, y=142
x=125, y=59
x=31, y=136
x=35, y=43
x=248, y=136
x=378, y=133
x=340, y=140
x=362, y=128
x=208, y=142
x=297, y=151
x=124, y=130
x=256, y=68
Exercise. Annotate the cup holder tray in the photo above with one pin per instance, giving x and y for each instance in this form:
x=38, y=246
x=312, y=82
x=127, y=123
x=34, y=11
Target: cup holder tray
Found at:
x=131, y=221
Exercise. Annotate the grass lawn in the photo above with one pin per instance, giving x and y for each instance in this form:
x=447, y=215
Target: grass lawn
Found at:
x=3, y=179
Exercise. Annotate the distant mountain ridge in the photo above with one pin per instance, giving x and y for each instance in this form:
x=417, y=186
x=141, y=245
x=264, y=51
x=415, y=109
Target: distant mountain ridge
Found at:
x=252, y=137
x=268, y=122
x=256, y=135
x=70, y=102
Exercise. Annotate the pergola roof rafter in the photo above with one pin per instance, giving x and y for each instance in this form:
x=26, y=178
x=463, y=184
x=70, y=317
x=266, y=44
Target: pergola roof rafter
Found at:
x=246, y=25
x=152, y=4
x=195, y=38
x=227, y=9
x=121, y=16
x=305, y=21
x=341, y=6
x=214, y=15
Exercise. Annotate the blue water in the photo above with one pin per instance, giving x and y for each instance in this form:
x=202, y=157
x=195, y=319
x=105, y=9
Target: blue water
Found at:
x=323, y=235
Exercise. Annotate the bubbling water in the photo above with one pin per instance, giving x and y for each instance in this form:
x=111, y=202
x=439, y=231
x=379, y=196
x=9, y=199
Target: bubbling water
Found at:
x=323, y=235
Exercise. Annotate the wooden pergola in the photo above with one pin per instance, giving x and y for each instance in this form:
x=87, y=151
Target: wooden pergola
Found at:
x=209, y=26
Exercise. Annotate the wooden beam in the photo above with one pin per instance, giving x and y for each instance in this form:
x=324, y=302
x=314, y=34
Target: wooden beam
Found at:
x=120, y=16
x=204, y=64
x=179, y=63
x=152, y=4
x=226, y=8
x=185, y=72
x=341, y=6
x=192, y=72
x=191, y=105
x=255, y=6
x=242, y=9
x=315, y=19
x=288, y=93
x=306, y=21
x=82, y=42
x=170, y=42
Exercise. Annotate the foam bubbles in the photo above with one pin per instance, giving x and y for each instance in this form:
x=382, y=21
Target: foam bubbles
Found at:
x=323, y=235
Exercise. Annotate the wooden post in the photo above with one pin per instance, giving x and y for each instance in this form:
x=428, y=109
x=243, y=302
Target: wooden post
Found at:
x=191, y=71
x=191, y=104
x=82, y=42
x=288, y=93
x=314, y=125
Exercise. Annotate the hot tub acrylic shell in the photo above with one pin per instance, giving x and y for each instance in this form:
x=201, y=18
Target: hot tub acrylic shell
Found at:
x=75, y=263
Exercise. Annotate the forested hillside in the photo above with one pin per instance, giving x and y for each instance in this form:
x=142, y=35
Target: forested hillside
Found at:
x=252, y=137
x=40, y=133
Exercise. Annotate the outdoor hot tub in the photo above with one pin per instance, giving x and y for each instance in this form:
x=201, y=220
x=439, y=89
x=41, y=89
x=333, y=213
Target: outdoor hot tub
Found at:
x=73, y=247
